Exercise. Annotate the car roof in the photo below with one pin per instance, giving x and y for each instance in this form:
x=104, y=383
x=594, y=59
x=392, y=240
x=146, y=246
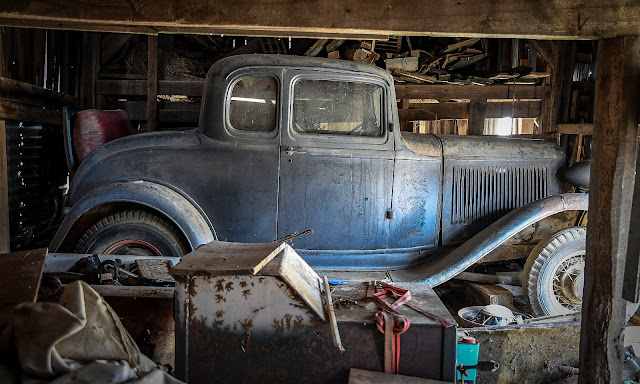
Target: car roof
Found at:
x=229, y=64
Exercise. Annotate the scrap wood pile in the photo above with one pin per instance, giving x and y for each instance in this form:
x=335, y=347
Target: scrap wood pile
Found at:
x=461, y=62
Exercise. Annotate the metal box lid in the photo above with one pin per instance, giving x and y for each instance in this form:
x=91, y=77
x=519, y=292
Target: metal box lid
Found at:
x=219, y=258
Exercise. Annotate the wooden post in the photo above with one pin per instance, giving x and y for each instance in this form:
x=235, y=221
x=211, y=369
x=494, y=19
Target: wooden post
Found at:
x=90, y=68
x=477, y=113
x=4, y=192
x=612, y=177
x=152, y=83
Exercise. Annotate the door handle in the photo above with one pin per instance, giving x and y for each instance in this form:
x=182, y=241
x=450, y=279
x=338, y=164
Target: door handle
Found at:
x=290, y=151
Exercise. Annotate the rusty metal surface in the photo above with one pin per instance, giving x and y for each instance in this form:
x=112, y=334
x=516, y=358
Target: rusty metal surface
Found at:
x=262, y=332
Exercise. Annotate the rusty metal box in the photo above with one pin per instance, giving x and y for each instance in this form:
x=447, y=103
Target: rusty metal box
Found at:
x=250, y=313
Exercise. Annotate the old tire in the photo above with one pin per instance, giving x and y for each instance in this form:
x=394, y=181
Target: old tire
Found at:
x=553, y=276
x=133, y=232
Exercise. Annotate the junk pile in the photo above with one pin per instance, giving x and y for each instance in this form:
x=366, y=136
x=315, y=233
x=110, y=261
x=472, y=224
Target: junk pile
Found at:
x=79, y=340
x=462, y=62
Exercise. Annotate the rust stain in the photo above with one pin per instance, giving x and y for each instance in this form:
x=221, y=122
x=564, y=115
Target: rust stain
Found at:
x=219, y=313
x=229, y=286
x=246, y=293
x=243, y=284
x=298, y=323
x=220, y=285
x=253, y=284
x=220, y=298
x=247, y=323
x=278, y=327
x=287, y=319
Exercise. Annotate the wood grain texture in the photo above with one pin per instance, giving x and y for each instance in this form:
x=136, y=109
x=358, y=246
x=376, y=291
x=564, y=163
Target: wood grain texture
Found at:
x=4, y=193
x=612, y=177
x=561, y=19
x=440, y=111
x=469, y=92
x=29, y=113
x=477, y=115
x=152, y=83
x=21, y=273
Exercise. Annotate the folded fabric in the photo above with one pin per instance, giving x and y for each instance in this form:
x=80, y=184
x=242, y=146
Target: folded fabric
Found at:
x=79, y=340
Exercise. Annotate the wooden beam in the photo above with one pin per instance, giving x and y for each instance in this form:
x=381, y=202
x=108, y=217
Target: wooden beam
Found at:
x=29, y=113
x=477, y=114
x=167, y=112
x=5, y=236
x=631, y=286
x=90, y=66
x=552, y=104
x=617, y=107
x=139, y=87
x=578, y=129
x=20, y=92
x=564, y=19
x=470, y=92
x=152, y=83
x=460, y=110
x=546, y=49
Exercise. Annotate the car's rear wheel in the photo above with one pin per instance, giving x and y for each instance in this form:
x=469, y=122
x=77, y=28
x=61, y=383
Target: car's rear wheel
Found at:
x=553, y=276
x=133, y=232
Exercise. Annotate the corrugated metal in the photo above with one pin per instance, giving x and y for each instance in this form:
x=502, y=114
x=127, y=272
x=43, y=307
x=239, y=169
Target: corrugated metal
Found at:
x=488, y=192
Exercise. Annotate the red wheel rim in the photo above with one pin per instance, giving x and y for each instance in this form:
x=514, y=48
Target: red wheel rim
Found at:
x=122, y=243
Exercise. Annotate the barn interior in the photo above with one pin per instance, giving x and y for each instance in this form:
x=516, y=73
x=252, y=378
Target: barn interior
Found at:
x=176, y=207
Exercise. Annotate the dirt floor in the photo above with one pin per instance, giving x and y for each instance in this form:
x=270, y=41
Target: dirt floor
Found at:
x=527, y=355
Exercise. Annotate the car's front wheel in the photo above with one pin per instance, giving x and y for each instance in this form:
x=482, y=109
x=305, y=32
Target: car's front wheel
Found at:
x=133, y=232
x=553, y=276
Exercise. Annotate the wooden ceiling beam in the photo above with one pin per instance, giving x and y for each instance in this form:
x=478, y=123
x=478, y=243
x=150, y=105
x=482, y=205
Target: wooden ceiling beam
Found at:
x=561, y=19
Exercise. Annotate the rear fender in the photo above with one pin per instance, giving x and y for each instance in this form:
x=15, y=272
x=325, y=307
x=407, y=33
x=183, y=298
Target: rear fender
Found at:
x=185, y=215
x=441, y=268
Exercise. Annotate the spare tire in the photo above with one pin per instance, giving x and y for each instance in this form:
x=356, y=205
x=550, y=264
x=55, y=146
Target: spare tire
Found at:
x=133, y=232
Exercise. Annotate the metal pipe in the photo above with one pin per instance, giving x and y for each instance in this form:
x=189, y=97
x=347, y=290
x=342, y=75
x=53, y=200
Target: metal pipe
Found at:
x=439, y=269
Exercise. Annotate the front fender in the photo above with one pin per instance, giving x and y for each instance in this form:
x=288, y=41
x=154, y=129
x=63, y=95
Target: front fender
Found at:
x=442, y=268
x=191, y=222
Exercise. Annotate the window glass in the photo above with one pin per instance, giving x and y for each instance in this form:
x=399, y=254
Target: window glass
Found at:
x=337, y=107
x=252, y=105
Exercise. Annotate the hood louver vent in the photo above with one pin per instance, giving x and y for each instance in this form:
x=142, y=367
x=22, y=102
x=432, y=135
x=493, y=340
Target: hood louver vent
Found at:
x=486, y=193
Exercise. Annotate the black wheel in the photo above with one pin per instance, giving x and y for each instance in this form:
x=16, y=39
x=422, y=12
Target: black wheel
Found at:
x=553, y=276
x=132, y=232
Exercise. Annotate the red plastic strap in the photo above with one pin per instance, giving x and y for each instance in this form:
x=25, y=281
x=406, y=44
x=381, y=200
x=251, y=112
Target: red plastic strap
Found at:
x=400, y=323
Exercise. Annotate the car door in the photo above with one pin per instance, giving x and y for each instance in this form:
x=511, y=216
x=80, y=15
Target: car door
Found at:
x=336, y=166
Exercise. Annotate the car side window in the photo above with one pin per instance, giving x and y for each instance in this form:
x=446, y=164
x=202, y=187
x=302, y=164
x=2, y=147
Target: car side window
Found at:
x=337, y=107
x=252, y=104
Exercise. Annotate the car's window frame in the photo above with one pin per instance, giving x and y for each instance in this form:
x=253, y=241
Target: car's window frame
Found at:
x=292, y=76
x=374, y=115
x=253, y=73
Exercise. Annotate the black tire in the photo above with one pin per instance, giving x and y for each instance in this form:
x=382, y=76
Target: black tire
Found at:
x=133, y=232
x=553, y=276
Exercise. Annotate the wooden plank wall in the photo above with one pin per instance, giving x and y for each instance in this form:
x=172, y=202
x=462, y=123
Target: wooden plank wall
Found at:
x=38, y=68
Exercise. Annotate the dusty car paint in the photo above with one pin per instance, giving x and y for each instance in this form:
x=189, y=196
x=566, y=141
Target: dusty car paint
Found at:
x=374, y=203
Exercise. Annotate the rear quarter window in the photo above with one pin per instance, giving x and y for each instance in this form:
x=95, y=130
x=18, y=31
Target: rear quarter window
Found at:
x=252, y=104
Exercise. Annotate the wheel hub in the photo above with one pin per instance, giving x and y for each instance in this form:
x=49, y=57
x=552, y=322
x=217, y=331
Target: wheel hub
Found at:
x=568, y=282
